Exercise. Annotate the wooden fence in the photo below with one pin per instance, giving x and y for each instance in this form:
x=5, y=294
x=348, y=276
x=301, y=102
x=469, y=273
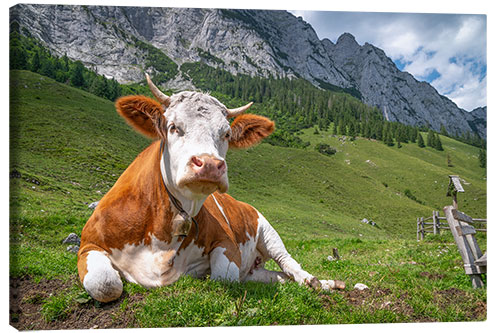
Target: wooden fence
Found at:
x=436, y=223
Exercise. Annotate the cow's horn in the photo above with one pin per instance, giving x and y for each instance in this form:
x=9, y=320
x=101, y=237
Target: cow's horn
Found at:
x=161, y=97
x=236, y=112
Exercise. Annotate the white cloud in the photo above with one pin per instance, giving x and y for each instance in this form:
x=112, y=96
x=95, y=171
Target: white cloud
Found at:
x=454, y=46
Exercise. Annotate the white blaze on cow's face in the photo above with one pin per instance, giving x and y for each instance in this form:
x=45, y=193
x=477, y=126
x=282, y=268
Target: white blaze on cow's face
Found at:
x=197, y=141
x=197, y=135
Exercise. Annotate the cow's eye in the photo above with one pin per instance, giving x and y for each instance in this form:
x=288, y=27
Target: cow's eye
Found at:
x=173, y=129
x=227, y=135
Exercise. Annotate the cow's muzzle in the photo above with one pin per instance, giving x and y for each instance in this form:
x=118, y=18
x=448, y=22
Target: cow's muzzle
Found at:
x=207, y=166
x=206, y=174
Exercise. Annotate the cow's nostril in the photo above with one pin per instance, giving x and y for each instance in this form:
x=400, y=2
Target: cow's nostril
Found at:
x=221, y=164
x=196, y=161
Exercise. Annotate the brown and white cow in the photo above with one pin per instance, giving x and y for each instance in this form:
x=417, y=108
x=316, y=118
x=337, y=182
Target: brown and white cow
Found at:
x=168, y=214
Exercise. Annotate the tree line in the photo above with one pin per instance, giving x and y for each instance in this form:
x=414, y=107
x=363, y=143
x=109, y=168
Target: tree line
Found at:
x=29, y=54
x=296, y=104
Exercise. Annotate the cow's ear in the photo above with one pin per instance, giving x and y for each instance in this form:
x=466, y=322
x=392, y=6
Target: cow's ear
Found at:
x=249, y=129
x=144, y=114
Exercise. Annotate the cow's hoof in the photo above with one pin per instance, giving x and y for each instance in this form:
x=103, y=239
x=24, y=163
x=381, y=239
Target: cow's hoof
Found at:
x=330, y=285
x=339, y=284
x=314, y=283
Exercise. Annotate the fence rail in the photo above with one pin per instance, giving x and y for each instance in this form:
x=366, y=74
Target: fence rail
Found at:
x=439, y=223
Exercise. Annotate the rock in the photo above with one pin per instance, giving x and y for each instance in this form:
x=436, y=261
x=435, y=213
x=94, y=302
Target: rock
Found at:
x=93, y=205
x=370, y=222
x=329, y=258
x=15, y=174
x=360, y=286
x=72, y=239
x=73, y=248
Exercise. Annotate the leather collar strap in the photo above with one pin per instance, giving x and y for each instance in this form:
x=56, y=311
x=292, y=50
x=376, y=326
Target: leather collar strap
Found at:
x=177, y=204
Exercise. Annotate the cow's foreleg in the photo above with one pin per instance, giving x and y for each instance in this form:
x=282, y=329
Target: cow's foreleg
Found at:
x=263, y=275
x=271, y=245
x=225, y=263
x=97, y=275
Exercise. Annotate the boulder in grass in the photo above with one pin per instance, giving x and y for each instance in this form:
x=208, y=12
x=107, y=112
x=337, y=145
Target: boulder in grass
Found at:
x=73, y=248
x=360, y=286
x=93, y=205
x=72, y=239
x=370, y=222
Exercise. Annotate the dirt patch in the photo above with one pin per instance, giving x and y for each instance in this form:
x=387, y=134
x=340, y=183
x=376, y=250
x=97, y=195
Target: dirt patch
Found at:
x=480, y=310
x=378, y=299
x=27, y=298
x=451, y=294
x=459, y=298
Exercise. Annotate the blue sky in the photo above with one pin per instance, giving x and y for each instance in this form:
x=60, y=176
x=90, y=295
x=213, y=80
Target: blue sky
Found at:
x=446, y=50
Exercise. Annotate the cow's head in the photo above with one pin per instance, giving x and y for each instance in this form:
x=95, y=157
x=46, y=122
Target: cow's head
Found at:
x=197, y=134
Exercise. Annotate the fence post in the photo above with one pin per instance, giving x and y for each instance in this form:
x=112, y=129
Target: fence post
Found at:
x=438, y=224
x=435, y=222
x=418, y=229
x=422, y=227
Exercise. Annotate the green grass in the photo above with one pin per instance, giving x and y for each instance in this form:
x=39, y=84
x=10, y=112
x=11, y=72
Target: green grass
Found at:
x=68, y=147
x=424, y=171
x=408, y=281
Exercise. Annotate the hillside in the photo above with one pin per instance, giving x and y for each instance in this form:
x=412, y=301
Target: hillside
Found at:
x=68, y=147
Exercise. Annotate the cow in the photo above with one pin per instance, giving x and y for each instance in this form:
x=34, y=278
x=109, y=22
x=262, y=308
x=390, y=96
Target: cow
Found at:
x=168, y=214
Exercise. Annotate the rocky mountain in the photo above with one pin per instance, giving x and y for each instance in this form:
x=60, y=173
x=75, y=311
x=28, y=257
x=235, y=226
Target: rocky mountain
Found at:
x=123, y=42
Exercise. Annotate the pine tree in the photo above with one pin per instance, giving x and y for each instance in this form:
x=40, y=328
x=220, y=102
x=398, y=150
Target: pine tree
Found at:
x=437, y=143
x=482, y=158
x=352, y=131
x=420, y=141
x=334, y=129
x=430, y=139
x=443, y=130
x=99, y=87
x=366, y=132
x=18, y=58
x=35, y=62
x=47, y=67
x=388, y=138
x=76, y=76
x=378, y=134
x=385, y=130
x=414, y=134
x=342, y=129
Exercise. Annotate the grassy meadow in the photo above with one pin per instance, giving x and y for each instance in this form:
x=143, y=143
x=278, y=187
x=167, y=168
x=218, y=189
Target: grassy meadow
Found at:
x=68, y=147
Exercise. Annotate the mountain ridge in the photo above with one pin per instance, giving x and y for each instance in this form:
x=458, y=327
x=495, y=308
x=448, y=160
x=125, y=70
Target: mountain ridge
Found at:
x=255, y=42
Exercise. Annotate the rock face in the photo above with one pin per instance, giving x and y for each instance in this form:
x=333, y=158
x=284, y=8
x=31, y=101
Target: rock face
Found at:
x=477, y=120
x=116, y=41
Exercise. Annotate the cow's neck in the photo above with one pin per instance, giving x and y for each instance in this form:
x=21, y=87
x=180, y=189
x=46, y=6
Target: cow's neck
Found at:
x=191, y=206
